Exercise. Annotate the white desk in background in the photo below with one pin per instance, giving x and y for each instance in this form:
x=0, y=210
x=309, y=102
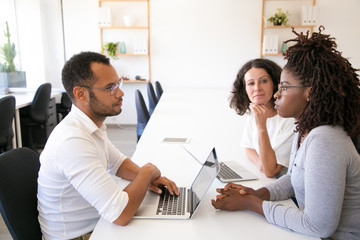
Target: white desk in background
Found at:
x=23, y=99
x=203, y=116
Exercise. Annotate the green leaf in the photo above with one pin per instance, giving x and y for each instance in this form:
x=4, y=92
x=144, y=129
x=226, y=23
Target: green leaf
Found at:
x=8, y=53
x=110, y=48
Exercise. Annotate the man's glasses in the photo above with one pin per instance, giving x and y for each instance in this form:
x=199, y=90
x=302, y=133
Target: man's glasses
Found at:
x=111, y=88
x=282, y=88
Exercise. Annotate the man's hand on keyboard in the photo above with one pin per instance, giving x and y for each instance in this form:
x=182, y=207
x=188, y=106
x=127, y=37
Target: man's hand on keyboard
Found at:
x=164, y=181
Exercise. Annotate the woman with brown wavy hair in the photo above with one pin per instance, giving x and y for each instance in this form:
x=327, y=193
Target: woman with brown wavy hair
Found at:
x=321, y=90
x=267, y=137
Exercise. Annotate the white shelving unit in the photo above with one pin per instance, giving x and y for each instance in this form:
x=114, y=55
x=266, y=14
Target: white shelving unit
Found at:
x=132, y=62
x=283, y=33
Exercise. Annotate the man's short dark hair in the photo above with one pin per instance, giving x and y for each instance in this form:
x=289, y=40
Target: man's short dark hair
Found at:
x=77, y=70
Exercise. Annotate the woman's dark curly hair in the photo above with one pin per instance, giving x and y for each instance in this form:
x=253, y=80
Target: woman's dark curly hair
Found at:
x=239, y=99
x=334, y=98
x=77, y=70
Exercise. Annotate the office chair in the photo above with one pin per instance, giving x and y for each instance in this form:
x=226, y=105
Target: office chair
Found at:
x=64, y=107
x=38, y=113
x=143, y=115
x=18, y=188
x=153, y=100
x=159, y=90
x=356, y=141
x=7, y=110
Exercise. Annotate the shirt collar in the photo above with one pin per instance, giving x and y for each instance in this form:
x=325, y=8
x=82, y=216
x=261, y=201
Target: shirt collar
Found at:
x=86, y=121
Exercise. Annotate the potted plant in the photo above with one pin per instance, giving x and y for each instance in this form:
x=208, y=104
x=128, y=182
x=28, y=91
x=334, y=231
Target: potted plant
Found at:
x=110, y=48
x=9, y=76
x=279, y=18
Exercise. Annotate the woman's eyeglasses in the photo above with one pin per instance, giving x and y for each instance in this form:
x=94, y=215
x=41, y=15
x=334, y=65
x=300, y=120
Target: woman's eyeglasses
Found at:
x=282, y=88
x=111, y=88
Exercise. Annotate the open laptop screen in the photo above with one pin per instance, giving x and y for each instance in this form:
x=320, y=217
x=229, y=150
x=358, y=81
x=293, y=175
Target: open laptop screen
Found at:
x=204, y=179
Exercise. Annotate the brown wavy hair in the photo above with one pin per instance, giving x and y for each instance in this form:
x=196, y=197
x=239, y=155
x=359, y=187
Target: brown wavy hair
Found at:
x=334, y=97
x=239, y=99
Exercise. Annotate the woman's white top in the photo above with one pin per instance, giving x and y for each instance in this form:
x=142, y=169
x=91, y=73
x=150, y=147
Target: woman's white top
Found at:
x=280, y=131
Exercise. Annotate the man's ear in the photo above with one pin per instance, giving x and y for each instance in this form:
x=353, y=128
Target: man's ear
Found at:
x=80, y=94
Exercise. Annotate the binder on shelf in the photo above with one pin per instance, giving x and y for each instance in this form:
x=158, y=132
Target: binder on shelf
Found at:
x=104, y=17
x=137, y=46
x=314, y=15
x=309, y=15
x=271, y=44
x=144, y=45
x=275, y=46
x=140, y=45
x=304, y=15
x=266, y=44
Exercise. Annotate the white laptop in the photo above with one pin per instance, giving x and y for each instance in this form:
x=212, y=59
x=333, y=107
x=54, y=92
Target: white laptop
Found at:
x=166, y=206
x=230, y=171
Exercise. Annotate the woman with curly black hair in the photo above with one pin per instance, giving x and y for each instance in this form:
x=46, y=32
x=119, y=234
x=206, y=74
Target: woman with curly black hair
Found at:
x=267, y=137
x=321, y=90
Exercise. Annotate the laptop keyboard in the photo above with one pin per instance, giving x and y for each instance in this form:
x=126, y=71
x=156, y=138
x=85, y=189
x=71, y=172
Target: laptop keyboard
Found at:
x=227, y=173
x=172, y=204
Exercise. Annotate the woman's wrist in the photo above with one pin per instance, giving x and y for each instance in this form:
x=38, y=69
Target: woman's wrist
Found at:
x=263, y=193
x=254, y=204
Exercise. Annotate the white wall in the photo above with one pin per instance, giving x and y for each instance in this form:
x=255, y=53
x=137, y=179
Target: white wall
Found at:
x=203, y=43
x=341, y=19
x=81, y=26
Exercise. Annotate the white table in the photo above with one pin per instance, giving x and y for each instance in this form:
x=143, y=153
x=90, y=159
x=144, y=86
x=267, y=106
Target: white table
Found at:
x=22, y=99
x=203, y=116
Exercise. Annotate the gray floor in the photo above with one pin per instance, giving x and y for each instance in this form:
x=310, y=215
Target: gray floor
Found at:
x=122, y=136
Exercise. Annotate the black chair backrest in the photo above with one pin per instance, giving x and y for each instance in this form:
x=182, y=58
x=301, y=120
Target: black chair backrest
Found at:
x=7, y=110
x=143, y=115
x=159, y=90
x=65, y=100
x=39, y=109
x=152, y=97
x=18, y=188
x=356, y=141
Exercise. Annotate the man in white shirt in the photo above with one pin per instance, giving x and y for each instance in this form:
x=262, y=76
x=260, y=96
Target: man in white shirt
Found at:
x=76, y=184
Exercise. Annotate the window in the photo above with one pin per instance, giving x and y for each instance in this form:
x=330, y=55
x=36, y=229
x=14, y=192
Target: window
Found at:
x=36, y=30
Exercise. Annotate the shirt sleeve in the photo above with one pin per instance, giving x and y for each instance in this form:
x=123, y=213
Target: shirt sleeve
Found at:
x=116, y=158
x=281, y=189
x=90, y=177
x=247, y=139
x=324, y=184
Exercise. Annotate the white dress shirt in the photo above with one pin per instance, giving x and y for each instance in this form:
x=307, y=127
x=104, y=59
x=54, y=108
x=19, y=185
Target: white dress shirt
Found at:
x=76, y=184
